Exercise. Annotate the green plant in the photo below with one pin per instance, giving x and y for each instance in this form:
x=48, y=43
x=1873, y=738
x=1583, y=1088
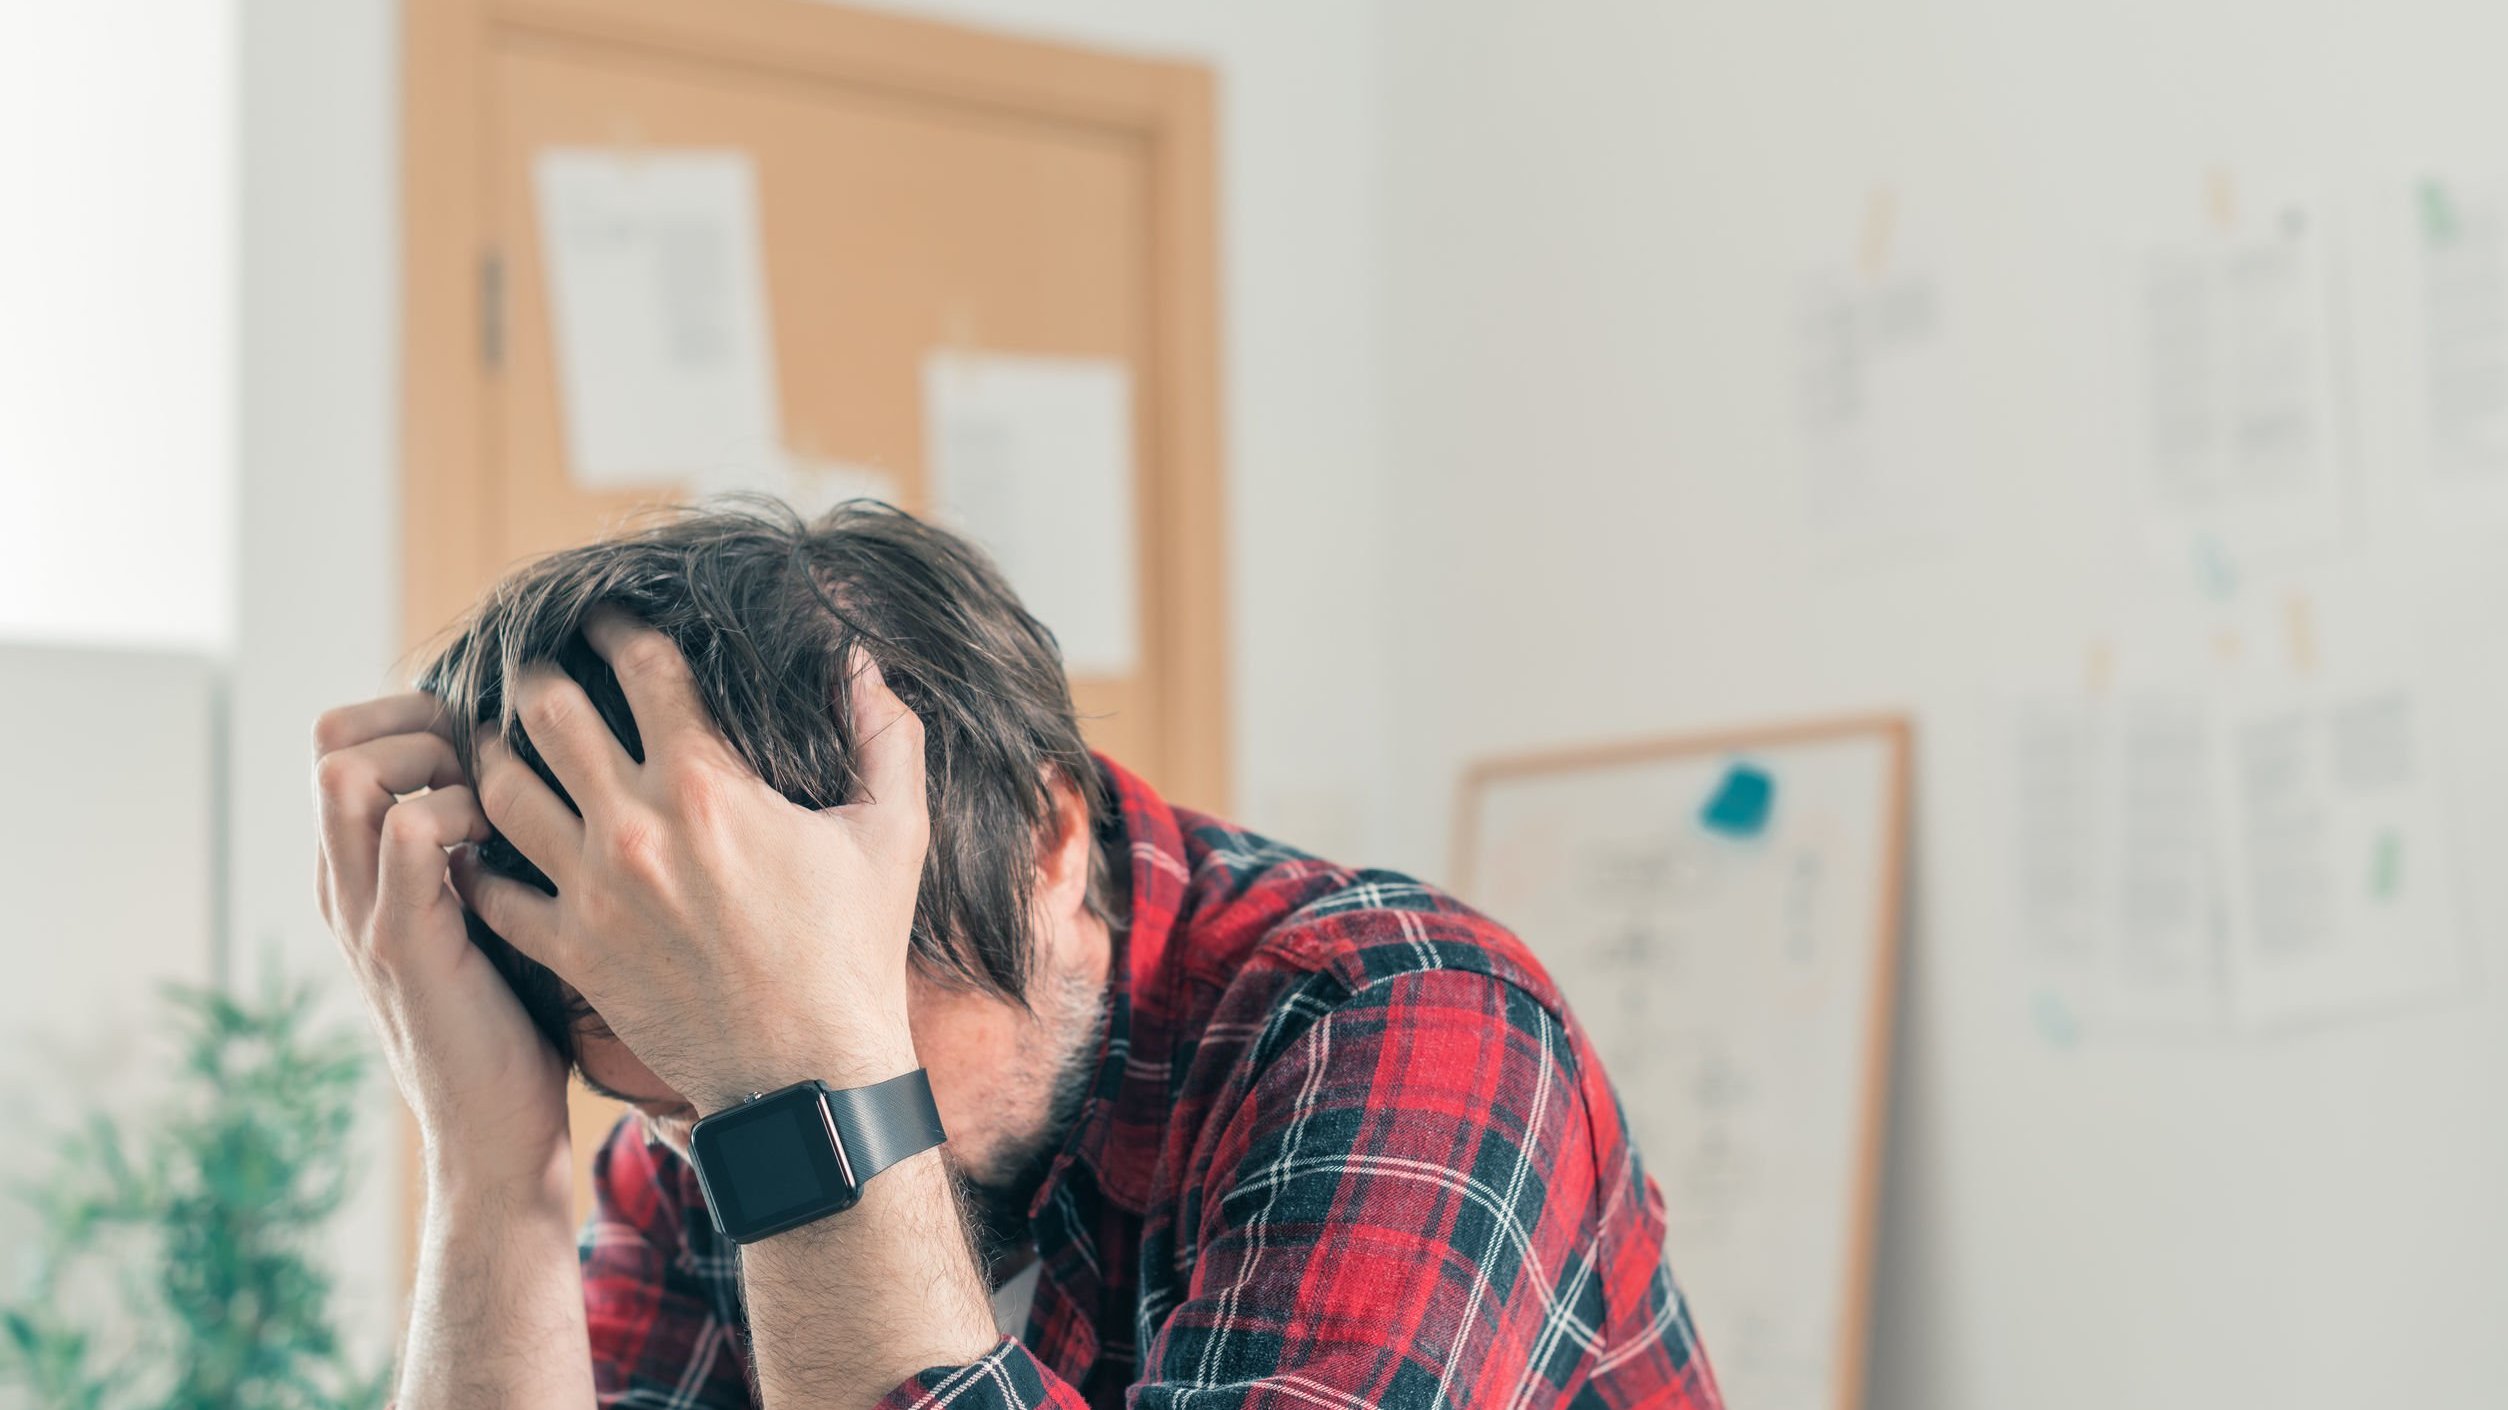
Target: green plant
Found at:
x=175, y=1269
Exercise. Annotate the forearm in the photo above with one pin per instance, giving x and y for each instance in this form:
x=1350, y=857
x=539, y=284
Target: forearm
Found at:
x=497, y=1317
x=844, y=1310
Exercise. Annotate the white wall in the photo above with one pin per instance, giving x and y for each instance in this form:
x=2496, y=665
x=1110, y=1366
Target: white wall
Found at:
x=108, y=857
x=317, y=581
x=117, y=158
x=1597, y=219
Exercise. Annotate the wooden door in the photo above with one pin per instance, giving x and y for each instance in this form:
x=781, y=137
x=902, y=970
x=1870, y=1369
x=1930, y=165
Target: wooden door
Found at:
x=921, y=188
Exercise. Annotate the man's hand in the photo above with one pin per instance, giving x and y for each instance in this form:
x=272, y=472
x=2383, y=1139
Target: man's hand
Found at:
x=489, y=1092
x=736, y=942
x=497, y=1316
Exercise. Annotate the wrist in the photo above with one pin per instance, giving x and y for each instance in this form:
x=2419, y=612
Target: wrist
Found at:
x=908, y=1230
x=463, y=1177
x=860, y=1061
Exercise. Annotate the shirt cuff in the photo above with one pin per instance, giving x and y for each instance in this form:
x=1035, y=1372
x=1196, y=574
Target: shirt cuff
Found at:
x=1006, y=1377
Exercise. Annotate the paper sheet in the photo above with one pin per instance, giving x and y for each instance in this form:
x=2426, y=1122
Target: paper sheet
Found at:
x=2340, y=885
x=2269, y=850
x=1873, y=396
x=2240, y=433
x=2461, y=240
x=2114, y=883
x=657, y=300
x=1032, y=457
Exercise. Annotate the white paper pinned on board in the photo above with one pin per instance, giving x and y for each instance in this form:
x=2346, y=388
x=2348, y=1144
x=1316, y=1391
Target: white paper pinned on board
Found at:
x=1032, y=458
x=658, y=311
x=2237, y=367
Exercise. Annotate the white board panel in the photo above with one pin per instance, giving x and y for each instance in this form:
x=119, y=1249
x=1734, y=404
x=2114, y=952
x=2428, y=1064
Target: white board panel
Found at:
x=1722, y=920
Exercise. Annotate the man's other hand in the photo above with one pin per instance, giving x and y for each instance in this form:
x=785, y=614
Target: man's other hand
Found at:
x=732, y=939
x=488, y=1090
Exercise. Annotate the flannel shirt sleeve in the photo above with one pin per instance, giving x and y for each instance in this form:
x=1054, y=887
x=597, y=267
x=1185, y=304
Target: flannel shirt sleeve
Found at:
x=658, y=1340
x=1007, y=1376
x=1416, y=1201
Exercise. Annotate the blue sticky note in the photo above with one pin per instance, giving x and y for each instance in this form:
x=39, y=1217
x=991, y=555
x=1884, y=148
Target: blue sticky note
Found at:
x=2215, y=569
x=1741, y=803
x=2055, y=1021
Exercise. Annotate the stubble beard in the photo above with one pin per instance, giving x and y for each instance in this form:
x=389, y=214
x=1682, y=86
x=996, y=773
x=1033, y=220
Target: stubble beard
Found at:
x=1071, y=1023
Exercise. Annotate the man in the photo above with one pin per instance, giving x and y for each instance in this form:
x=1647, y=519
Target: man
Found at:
x=738, y=805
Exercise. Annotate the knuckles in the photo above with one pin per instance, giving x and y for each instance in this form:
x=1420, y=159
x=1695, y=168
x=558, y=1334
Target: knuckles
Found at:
x=408, y=825
x=634, y=848
x=496, y=792
x=649, y=654
x=915, y=833
x=909, y=728
x=909, y=849
x=545, y=709
x=339, y=777
x=694, y=792
x=331, y=731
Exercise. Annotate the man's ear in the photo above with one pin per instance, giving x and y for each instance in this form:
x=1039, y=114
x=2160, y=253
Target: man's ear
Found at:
x=1065, y=849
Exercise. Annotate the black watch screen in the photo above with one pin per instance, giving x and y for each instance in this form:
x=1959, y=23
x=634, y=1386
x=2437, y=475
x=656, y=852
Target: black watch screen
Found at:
x=802, y=1153
x=772, y=1162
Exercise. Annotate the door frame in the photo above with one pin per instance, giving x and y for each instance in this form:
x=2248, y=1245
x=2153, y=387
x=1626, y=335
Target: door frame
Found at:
x=449, y=270
x=451, y=302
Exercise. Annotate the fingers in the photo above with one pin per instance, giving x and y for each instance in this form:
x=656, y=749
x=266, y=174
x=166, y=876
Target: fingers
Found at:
x=660, y=689
x=888, y=752
x=415, y=834
x=409, y=712
x=570, y=734
x=384, y=768
x=532, y=817
x=354, y=788
x=519, y=912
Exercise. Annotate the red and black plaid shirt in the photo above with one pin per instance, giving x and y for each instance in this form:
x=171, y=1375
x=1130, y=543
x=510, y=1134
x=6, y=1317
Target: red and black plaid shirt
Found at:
x=1346, y=1148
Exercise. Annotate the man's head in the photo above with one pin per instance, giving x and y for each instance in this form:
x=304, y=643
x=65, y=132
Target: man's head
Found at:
x=766, y=609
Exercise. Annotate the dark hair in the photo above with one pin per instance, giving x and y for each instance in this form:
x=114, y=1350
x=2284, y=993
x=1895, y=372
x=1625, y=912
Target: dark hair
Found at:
x=767, y=608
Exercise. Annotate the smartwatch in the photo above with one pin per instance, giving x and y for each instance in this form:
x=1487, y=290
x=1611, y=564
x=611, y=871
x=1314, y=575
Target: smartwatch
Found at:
x=781, y=1159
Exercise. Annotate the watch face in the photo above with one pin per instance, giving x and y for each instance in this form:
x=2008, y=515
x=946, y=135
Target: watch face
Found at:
x=771, y=1163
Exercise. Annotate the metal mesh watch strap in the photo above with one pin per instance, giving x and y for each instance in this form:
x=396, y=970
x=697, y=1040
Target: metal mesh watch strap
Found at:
x=885, y=1122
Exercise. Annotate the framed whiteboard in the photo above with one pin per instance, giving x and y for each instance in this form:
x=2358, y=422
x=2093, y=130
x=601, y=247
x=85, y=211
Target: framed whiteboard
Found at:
x=1722, y=912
